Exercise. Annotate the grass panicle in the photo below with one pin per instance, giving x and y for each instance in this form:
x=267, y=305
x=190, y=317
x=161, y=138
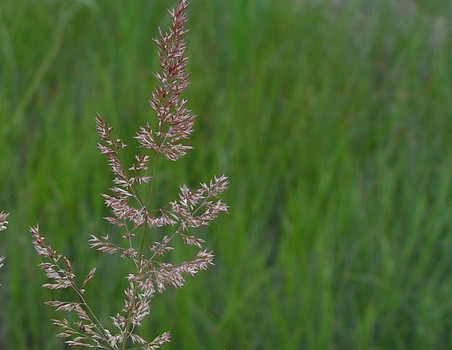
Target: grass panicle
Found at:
x=3, y=223
x=137, y=218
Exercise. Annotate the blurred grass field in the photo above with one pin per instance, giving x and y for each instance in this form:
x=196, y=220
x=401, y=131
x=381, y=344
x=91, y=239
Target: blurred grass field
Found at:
x=333, y=120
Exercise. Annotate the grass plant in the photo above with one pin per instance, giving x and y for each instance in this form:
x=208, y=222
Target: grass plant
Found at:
x=144, y=242
x=332, y=120
x=3, y=223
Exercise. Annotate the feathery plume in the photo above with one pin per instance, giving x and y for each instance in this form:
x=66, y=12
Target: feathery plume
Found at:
x=136, y=217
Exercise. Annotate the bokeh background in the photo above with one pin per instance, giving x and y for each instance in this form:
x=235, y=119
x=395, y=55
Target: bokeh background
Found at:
x=333, y=120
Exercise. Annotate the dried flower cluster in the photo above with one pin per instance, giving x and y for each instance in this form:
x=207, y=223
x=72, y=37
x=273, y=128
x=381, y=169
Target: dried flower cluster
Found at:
x=3, y=223
x=136, y=218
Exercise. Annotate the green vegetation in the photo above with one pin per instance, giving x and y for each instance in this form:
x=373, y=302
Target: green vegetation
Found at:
x=332, y=120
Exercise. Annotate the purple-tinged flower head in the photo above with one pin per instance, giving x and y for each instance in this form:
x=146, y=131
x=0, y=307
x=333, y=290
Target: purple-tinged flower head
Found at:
x=175, y=120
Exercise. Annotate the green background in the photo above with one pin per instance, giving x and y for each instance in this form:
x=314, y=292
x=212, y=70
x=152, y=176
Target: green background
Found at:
x=333, y=120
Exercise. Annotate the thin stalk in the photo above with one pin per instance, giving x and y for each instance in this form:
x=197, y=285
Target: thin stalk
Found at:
x=140, y=254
